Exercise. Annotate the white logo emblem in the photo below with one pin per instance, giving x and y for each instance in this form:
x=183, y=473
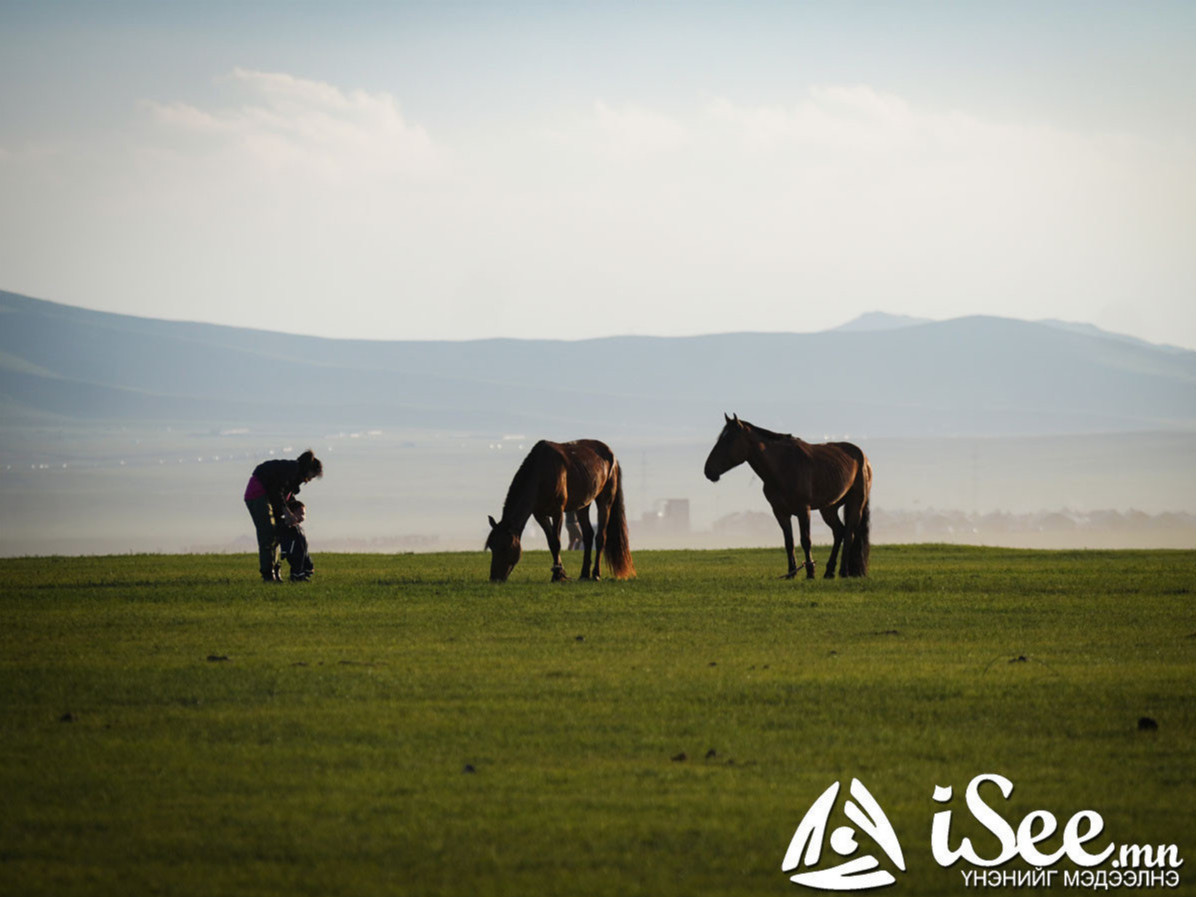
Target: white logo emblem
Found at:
x=852, y=874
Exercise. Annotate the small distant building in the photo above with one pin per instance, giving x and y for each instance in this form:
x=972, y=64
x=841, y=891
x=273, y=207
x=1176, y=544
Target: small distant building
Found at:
x=669, y=515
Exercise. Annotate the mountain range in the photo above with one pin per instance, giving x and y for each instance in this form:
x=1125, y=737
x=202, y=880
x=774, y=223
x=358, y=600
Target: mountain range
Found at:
x=880, y=376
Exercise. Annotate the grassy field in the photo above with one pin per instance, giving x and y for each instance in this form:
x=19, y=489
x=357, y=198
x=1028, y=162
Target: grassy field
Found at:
x=168, y=725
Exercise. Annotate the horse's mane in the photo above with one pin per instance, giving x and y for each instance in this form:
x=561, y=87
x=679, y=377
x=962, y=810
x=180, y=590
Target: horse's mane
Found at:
x=519, y=482
x=768, y=434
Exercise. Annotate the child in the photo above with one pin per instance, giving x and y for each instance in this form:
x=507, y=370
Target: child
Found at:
x=294, y=544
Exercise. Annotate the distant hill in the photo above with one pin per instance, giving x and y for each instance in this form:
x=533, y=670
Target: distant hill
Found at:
x=968, y=376
x=879, y=320
x=1091, y=330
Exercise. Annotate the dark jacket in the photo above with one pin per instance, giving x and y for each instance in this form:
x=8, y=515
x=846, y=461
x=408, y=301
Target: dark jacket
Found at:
x=280, y=478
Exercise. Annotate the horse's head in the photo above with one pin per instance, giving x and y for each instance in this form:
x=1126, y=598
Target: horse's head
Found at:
x=505, y=551
x=730, y=449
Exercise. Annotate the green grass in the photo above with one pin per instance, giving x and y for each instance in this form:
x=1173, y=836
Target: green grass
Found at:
x=328, y=753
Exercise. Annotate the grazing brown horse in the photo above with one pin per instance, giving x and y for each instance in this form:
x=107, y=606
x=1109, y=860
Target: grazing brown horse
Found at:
x=557, y=477
x=799, y=477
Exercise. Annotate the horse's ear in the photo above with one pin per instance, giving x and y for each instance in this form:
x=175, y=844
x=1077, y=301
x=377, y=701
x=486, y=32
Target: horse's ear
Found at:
x=726, y=419
x=736, y=418
x=492, y=521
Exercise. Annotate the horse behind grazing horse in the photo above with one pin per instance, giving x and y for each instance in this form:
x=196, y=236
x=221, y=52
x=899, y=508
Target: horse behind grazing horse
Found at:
x=555, y=478
x=799, y=477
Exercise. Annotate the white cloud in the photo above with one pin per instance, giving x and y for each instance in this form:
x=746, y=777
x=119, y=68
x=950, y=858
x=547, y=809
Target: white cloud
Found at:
x=855, y=119
x=308, y=127
x=626, y=133
x=190, y=119
x=631, y=131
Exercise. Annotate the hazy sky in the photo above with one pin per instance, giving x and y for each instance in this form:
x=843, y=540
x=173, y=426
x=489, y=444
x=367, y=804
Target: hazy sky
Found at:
x=455, y=170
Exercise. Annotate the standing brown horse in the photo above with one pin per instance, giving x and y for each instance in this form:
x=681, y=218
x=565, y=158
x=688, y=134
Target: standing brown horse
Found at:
x=799, y=477
x=557, y=477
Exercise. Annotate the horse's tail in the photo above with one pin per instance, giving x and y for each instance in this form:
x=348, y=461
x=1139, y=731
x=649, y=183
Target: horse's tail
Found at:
x=858, y=559
x=615, y=547
x=858, y=554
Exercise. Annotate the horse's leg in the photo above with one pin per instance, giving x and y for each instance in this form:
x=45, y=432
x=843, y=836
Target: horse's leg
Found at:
x=582, y=515
x=602, y=513
x=787, y=532
x=851, y=522
x=552, y=533
x=832, y=519
x=804, y=535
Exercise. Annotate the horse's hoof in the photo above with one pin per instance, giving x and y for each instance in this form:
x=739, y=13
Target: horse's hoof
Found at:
x=830, y=574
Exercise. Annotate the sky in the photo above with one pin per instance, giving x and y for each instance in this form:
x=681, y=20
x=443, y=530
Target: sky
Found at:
x=452, y=170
